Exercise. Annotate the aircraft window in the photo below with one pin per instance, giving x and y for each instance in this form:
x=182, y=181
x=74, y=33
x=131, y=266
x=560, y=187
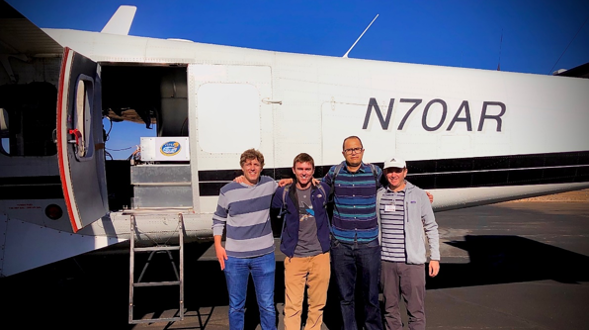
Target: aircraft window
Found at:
x=4, y=133
x=82, y=130
x=228, y=117
x=27, y=119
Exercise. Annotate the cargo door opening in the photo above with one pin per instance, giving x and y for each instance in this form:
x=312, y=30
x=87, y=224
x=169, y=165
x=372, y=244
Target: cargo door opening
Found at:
x=144, y=105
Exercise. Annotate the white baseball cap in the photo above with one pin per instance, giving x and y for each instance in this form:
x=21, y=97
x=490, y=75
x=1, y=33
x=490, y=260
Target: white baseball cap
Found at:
x=394, y=162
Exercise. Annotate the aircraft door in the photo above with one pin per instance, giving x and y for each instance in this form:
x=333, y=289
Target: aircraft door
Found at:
x=230, y=110
x=80, y=143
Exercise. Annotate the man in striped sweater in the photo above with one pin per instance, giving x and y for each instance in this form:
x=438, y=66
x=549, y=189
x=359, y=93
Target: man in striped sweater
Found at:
x=404, y=213
x=243, y=211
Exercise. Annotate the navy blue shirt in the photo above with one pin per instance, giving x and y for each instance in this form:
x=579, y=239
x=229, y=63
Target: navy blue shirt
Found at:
x=354, y=214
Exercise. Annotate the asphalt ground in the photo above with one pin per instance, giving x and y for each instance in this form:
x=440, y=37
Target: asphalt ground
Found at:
x=517, y=265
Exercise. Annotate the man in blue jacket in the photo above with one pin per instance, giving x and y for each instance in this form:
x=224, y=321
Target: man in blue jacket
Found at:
x=305, y=242
x=404, y=213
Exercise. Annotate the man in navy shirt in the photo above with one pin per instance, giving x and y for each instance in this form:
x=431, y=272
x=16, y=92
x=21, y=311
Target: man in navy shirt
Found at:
x=355, y=251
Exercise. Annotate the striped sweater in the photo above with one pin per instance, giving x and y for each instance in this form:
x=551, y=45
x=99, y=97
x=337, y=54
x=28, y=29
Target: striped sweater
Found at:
x=244, y=212
x=354, y=214
x=392, y=225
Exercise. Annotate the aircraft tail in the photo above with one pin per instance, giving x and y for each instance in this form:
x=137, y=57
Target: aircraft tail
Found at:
x=120, y=22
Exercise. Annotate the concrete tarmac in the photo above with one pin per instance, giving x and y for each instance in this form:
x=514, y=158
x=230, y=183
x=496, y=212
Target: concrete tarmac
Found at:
x=517, y=265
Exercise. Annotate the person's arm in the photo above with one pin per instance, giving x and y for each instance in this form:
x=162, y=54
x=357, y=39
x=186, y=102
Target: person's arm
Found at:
x=277, y=198
x=239, y=179
x=220, y=251
x=430, y=227
x=430, y=196
x=328, y=177
x=379, y=194
x=219, y=220
x=284, y=182
x=378, y=176
x=434, y=268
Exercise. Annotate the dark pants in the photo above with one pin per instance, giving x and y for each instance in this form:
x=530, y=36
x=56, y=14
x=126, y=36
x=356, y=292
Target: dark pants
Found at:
x=357, y=262
x=409, y=281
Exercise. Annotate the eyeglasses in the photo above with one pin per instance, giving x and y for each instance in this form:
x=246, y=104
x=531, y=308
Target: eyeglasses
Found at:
x=353, y=150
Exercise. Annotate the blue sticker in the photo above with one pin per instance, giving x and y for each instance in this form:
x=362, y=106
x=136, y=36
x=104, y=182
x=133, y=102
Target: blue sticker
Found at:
x=170, y=148
x=413, y=202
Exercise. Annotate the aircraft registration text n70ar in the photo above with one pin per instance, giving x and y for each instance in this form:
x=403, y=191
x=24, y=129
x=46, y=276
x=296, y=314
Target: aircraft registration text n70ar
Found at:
x=491, y=112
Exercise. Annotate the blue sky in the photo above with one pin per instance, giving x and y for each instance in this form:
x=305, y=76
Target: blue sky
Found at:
x=458, y=33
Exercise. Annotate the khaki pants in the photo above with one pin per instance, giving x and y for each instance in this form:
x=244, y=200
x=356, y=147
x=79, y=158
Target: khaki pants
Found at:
x=314, y=272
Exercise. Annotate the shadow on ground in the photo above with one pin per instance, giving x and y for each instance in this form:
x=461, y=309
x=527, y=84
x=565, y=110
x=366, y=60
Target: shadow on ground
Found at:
x=91, y=291
x=508, y=259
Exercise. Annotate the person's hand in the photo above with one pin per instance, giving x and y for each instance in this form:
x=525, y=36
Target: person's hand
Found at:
x=284, y=182
x=430, y=196
x=239, y=179
x=221, y=255
x=434, y=268
x=315, y=181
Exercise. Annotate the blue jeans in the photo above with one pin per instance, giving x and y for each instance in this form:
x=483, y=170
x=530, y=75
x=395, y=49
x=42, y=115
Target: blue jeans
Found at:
x=237, y=271
x=357, y=262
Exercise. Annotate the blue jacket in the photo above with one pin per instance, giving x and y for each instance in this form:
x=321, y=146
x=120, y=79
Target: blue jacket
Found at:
x=290, y=234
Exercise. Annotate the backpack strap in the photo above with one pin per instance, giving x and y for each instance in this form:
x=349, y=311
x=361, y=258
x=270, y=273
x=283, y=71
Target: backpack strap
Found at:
x=325, y=205
x=283, y=209
x=329, y=201
x=284, y=193
x=375, y=174
x=336, y=171
x=320, y=187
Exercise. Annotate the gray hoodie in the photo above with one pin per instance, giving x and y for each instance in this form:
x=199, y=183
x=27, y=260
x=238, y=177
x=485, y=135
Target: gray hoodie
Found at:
x=419, y=217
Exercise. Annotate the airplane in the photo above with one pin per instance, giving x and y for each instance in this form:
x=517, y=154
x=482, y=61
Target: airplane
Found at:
x=470, y=137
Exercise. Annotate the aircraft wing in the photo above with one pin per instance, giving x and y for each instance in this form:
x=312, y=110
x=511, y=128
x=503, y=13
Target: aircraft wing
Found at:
x=18, y=35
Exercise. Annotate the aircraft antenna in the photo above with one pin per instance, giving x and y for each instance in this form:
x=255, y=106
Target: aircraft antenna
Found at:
x=346, y=54
x=500, y=46
x=567, y=47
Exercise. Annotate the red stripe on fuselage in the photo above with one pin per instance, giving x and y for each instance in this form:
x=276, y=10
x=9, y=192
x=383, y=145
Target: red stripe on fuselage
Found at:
x=61, y=151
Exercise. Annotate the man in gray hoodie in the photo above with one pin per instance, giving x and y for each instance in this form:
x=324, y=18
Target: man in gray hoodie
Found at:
x=404, y=213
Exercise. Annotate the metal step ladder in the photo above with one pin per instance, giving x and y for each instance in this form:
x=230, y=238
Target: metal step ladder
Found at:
x=179, y=280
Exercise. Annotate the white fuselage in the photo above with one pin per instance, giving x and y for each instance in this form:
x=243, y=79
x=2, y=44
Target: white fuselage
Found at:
x=284, y=104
